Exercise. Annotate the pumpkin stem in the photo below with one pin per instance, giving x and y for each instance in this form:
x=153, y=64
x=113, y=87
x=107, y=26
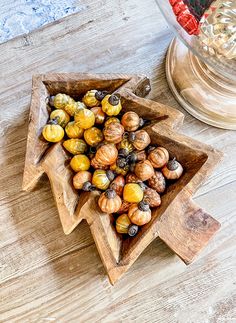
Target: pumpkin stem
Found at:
x=110, y=175
x=132, y=230
x=141, y=122
x=172, y=164
x=100, y=95
x=132, y=136
x=150, y=148
x=114, y=99
x=110, y=193
x=143, y=206
x=88, y=187
x=53, y=121
x=142, y=185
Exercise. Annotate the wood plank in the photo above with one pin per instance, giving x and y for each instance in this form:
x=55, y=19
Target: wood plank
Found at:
x=42, y=265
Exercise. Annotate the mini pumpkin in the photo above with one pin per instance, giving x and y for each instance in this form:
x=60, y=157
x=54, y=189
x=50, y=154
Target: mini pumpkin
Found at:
x=173, y=169
x=60, y=100
x=99, y=115
x=92, y=98
x=111, y=105
x=73, y=107
x=109, y=202
x=158, y=157
x=102, y=179
x=140, y=214
x=81, y=178
x=157, y=182
x=97, y=165
x=75, y=146
x=140, y=139
x=79, y=163
x=73, y=130
x=53, y=132
x=131, y=121
x=61, y=117
x=132, y=193
x=93, y=136
x=151, y=197
x=113, y=132
x=144, y=170
x=118, y=184
x=85, y=118
x=111, y=120
x=106, y=154
x=122, y=224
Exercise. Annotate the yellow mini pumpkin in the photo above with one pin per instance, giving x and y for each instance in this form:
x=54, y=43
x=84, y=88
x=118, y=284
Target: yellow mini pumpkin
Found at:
x=53, y=132
x=61, y=117
x=85, y=118
x=75, y=146
x=60, y=100
x=80, y=162
x=111, y=105
x=92, y=98
x=122, y=224
x=132, y=193
x=73, y=130
x=102, y=179
x=111, y=120
x=73, y=107
x=109, y=202
x=93, y=136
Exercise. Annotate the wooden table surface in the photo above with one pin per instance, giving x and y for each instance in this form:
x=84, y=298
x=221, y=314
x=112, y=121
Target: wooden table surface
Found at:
x=47, y=276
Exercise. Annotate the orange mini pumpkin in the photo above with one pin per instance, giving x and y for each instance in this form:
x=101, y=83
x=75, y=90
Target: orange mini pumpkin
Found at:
x=97, y=165
x=140, y=139
x=81, y=178
x=106, y=154
x=140, y=214
x=109, y=202
x=144, y=170
x=158, y=157
x=131, y=121
x=113, y=132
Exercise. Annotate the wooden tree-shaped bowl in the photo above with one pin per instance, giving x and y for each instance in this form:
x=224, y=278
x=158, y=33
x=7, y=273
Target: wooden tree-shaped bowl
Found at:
x=181, y=224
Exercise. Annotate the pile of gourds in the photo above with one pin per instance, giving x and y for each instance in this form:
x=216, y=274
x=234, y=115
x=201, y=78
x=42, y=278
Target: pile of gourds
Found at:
x=112, y=153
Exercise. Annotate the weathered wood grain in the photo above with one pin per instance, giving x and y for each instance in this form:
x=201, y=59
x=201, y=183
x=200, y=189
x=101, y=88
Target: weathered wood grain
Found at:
x=46, y=276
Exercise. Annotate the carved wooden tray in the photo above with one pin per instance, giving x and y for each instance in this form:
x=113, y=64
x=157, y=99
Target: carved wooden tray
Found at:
x=181, y=224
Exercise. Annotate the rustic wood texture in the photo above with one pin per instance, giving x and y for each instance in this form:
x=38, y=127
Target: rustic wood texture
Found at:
x=47, y=276
x=184, y=227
